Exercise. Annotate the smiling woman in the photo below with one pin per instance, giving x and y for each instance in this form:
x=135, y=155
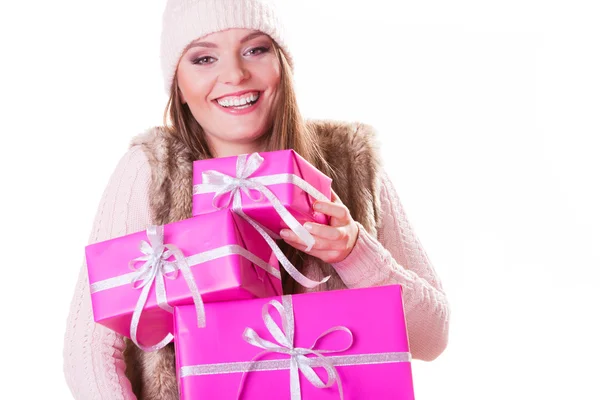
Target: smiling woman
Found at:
x=228, y=74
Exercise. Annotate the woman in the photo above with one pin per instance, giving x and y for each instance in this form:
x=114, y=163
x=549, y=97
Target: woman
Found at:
x=228, y=72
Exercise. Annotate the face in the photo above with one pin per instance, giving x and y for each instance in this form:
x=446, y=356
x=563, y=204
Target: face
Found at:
x=229, y=80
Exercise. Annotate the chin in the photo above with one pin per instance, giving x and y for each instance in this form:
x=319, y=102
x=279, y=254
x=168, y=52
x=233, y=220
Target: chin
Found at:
x=248, y=136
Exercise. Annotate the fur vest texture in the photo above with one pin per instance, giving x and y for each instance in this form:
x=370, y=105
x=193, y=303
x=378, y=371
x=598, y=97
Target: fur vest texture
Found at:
x=350, y=150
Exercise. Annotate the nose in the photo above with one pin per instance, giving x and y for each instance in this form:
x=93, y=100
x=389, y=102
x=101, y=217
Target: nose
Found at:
x=233, y=72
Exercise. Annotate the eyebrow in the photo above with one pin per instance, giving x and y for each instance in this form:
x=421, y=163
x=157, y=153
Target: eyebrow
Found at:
x=214, y=46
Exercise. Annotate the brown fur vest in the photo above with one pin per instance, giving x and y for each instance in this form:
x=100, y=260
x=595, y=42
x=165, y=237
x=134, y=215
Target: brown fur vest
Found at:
x=350, y=149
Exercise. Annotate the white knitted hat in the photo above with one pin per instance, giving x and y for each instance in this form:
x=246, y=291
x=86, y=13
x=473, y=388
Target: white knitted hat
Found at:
x=187, y=20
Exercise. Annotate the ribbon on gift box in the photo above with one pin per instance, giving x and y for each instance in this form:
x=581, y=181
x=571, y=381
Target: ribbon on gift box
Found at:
x=298, y=362
x=156, y=267
x=222, y=184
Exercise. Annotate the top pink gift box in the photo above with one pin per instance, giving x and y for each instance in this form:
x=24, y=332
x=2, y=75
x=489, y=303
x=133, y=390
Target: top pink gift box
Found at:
x=273, y=348
x=218, y=256
x=285, y=174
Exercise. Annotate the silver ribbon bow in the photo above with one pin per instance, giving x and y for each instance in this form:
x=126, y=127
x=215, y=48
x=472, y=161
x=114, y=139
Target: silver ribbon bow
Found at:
x=221, y=184
x=231, y=185
x=154, y=270
x=298, y=355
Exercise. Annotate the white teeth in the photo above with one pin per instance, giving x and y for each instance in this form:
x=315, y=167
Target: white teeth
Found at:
x=242, y=101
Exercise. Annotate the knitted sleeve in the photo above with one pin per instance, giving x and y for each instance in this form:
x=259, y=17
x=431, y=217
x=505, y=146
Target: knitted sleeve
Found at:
x=397, y=257
x=93, y=359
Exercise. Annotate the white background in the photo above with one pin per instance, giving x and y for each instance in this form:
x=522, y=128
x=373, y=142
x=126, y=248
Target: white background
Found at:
x=489, y=116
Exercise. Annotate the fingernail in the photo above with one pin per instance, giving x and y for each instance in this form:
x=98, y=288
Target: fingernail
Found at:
x=318, y=206
x=308, y=226
x=284, y=233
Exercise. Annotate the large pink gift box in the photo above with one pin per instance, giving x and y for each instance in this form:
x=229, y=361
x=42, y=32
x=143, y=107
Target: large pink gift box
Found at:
x=284, y=173
x=360, y=336
x=217, y=249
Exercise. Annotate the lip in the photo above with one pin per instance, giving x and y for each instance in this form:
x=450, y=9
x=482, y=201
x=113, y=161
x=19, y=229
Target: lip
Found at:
x=241, y=92
x=248, y=110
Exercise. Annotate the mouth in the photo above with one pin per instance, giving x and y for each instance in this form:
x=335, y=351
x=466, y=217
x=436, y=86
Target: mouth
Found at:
x=239, y=101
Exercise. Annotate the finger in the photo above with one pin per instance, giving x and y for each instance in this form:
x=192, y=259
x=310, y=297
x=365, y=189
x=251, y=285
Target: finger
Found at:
x=335, y=210
x=326, y=232
x=291, y=238
x=296, y=245
x=328, y=255
x=325, y=255
x=320, y=244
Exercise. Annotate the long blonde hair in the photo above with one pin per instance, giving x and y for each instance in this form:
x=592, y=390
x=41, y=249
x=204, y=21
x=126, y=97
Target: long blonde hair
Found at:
x=288, y=131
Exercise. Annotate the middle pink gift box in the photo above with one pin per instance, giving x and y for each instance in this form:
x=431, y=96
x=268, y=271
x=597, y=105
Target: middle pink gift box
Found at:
x=136, y=279
x=270, y=190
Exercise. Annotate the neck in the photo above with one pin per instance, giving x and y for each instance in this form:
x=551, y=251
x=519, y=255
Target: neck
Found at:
x=229, y=149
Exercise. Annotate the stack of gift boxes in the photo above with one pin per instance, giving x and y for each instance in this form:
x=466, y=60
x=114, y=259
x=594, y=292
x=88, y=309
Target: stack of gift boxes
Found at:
x=212, y=284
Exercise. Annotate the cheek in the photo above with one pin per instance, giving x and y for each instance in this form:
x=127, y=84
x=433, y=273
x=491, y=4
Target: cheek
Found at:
x=267, y=72
x=182, y=80
x=269, y=78
x=274, y=73
x=193, y=86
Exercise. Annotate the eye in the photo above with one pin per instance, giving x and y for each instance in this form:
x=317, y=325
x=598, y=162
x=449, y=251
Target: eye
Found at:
x=203, y=60
x=257, y=50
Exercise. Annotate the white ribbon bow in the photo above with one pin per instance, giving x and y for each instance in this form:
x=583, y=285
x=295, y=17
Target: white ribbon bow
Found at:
x=298, y=359
x=231, y=185
x=221, y=184
x=156, y=254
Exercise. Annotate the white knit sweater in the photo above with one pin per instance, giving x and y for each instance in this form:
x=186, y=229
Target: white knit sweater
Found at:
x=93, y=360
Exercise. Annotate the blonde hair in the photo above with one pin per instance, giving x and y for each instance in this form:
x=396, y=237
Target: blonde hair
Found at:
x=288, y=131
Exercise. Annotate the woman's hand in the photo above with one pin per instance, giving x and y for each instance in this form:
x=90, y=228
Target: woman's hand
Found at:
x=333, y=243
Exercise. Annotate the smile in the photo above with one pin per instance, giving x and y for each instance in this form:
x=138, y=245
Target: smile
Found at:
x=236, y=104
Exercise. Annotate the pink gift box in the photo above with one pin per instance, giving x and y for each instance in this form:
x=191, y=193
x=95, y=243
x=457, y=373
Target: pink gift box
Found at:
x=228, y=277
x=211, y=361
x=292, y=197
